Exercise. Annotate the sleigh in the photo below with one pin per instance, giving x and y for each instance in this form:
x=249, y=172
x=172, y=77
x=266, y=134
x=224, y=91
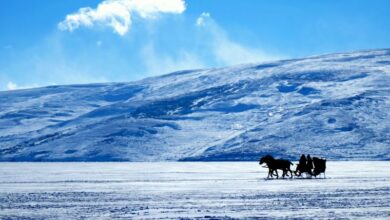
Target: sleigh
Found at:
x=319, y=166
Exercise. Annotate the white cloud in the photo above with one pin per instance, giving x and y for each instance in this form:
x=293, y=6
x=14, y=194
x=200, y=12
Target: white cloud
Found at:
x=215, y=42
x=117, y=14
x=13, y=86
x=157, y=63
x=202, y=19
x=227, y=51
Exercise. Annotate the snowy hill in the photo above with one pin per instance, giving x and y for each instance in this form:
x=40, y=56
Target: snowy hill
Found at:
x=336, y=106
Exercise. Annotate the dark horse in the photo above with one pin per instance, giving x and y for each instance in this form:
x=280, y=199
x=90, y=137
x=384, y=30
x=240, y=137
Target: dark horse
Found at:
x=276, y=164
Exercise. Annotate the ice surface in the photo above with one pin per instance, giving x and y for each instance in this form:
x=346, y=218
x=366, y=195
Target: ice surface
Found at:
x=171, y=190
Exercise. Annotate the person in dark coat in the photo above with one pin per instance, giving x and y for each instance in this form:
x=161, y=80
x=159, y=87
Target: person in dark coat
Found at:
x=301, y=165
x=309, y=165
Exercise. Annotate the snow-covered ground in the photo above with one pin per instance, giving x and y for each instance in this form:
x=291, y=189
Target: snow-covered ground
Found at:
x=336, y=106
x=190, y=190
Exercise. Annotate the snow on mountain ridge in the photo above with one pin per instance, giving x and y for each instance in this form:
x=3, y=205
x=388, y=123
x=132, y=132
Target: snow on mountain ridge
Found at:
x=332, y=105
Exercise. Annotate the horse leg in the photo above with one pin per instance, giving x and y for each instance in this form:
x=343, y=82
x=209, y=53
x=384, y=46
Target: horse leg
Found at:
x=269, y=173
x=273, y=173
x=277, y=174
x=285, y=172
x=297, y=170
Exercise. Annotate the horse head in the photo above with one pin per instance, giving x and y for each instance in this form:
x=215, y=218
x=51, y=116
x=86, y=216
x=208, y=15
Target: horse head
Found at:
x=266, y=159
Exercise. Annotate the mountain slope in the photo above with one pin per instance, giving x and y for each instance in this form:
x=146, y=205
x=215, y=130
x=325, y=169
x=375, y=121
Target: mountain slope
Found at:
x=334, y=105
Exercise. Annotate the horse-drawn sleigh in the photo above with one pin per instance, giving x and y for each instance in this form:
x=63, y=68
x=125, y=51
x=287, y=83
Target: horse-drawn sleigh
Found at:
x=307, y=166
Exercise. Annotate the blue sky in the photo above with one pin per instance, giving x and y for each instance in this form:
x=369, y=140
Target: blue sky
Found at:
x=125, y=40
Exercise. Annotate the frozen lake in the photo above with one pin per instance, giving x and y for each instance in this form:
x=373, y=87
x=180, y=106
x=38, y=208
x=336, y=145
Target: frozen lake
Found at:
x=190, y=190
